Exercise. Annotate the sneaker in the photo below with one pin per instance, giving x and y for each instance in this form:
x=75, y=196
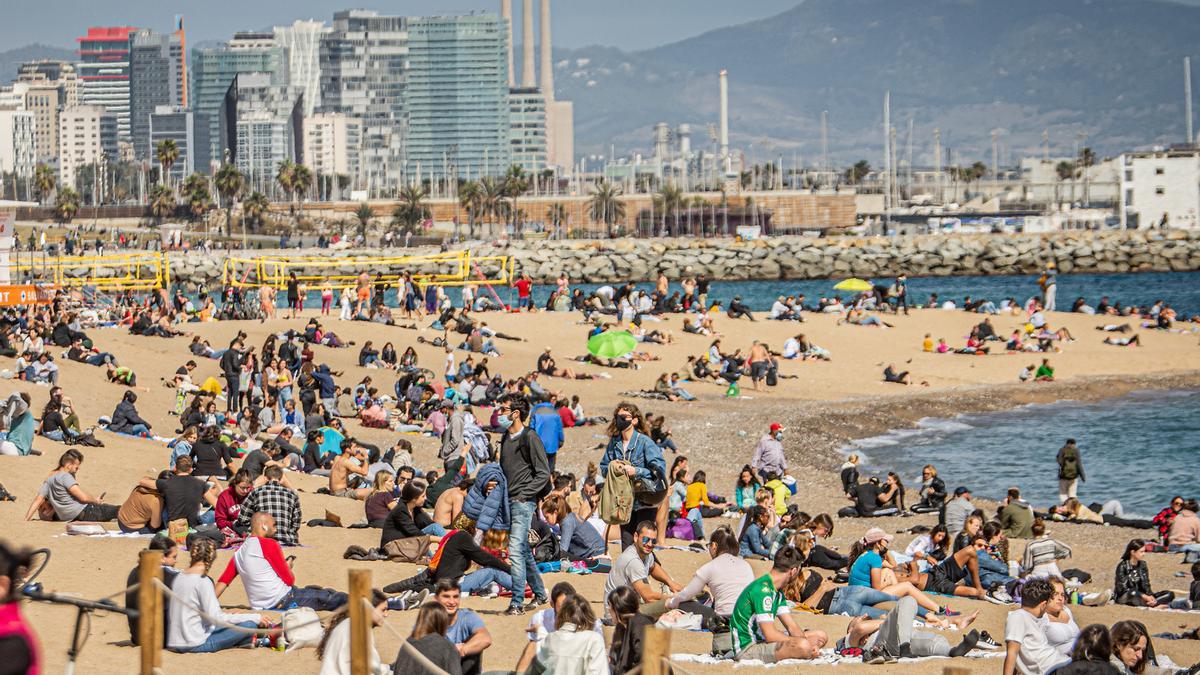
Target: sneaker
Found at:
x=986, y=641
x=514, y=610
x=537, y=601
x=998, y=596
x=946, y=611
x=493, y=591
x=878, y=655
x=415, y=601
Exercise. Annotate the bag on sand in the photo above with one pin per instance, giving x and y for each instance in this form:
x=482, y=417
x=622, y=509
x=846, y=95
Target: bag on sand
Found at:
x=302, y=628
x=407, y=550
x=616, y=497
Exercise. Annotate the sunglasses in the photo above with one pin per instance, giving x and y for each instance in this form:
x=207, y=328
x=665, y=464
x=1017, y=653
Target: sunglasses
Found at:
x=649, y=540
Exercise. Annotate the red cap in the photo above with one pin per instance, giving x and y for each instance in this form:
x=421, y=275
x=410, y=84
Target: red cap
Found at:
x=776, y=426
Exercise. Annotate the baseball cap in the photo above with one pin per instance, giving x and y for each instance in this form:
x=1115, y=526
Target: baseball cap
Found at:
x=776, y=426
x=961, y=490
x=875, y=535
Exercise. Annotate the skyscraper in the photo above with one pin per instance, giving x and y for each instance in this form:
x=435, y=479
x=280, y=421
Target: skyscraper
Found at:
x=53, y=86
x=157, y=77
x=363, y=74
x=87, y=133
x=457, y=102
x=213, y=70
x=302, y=40
x=528, y=124
x=16, y=141
x=189, y=130
x=262, y=124
x=103, y=71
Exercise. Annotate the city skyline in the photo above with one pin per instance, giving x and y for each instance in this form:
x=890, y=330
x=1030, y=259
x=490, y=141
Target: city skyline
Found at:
x=575, y=24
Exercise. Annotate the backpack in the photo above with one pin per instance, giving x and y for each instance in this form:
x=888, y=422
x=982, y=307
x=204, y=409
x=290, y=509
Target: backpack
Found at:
x=547, y=549
x=616, y=496
x=772, y=376
x=1070, y=465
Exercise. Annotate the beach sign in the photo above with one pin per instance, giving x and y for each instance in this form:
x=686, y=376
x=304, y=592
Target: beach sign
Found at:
x=25, y=294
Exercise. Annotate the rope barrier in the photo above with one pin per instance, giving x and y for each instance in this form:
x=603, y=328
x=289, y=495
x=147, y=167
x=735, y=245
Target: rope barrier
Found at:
x=430, y=666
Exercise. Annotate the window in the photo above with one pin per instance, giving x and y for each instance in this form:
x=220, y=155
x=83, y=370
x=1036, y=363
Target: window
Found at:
x=1160, y=191
x=1128, y=198
x=1158, y=171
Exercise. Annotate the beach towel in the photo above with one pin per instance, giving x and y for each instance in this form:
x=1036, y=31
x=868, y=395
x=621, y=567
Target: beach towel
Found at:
x=828, y=657
x=489, y=511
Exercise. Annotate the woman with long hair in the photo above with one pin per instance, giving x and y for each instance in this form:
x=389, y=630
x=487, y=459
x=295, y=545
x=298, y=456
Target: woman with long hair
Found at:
x=931, y=546
x=629, y=629
x=745, y=488
x=429, y=639
x=1133, y=580
x=382, y=499
x=725, y=576
x=188, y=629
x=229, y=502
x=334, y=650
x=642, y=461
x=821, y=527
x=573, y=648
x=892, y=495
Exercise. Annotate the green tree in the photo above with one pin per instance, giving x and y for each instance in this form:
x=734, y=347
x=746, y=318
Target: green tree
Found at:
x=254, y=211
x=516, y=184
x=230, y=184
x=197, y=196
x=167, y=153
x=604, y=206
x=668, y=203
x=162, y=203
x=43, y=181
x=468, y=198
x=493, y=202
x=855, y=174
x=412, y=210
x=556, y=215
x=66, y=205
x=363, y=215
x=302, y=180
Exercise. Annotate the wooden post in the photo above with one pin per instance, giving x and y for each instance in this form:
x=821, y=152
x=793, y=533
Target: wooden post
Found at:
x=656, y=646
x=360, y=622
x=150, y=604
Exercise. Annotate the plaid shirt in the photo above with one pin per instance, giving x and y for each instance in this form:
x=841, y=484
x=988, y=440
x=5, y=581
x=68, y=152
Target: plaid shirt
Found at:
x=280, y=502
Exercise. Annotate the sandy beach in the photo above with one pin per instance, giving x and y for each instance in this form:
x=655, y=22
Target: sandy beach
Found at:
x=826, y=405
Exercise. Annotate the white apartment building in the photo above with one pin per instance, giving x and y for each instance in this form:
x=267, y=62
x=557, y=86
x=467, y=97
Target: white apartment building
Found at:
x=17, y=145
x=86, y=132
x=332, y=143
x=1160, y=189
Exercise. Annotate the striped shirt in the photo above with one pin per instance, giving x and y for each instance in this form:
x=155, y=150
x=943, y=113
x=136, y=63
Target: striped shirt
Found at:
x=1041, y=554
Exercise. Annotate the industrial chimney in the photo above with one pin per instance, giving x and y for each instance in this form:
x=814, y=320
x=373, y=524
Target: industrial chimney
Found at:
x=547, y=64
x=506, y=14
x=528, y=74
x=725, y=117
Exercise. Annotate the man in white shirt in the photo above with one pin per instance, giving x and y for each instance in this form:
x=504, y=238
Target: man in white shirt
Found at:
x=1029, y=652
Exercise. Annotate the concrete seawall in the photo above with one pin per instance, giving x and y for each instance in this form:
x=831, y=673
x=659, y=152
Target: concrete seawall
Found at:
x=805, y=258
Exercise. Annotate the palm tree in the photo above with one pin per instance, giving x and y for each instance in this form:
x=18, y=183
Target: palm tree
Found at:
x=254, y=210
x=285, y=176
x=43, y=181
x=605, y=207
x=860, y=170
x=668, y=201
x=66, y=205
x=196, y=195
x=302, y=180
x=363, y=214
x=556, y=214
x=167, y=153
x=492, y=201
x=412, y=209
x=468, y=198
x=230, y=184
x=516, y=183
x=1087, y=159
x=162, y=203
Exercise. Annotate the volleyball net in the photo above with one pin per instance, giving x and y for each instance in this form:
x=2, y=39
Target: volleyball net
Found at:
x=452, y=268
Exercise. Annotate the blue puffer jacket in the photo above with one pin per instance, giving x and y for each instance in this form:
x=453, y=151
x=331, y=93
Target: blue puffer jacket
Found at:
x=490, y=511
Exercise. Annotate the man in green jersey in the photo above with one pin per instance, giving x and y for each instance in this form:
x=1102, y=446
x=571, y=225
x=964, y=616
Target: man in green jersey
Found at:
x=755, y=635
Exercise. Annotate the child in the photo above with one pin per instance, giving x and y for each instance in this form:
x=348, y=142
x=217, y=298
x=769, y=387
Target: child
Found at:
x=1024, y=636
x=1027, y=373
x=942, y=347
x=927, y=345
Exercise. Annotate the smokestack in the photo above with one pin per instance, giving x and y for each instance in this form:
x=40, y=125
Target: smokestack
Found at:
x=725, y=114
x=506, y=14
x=528, y=74
x=547, y=63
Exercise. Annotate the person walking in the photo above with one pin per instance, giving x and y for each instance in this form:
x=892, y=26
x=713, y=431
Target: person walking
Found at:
x=1070, y=470
x=901, y=293
x=1049, y=284
x=768, y=454
x=629, y=442
x=523, y=460
x=231, y=368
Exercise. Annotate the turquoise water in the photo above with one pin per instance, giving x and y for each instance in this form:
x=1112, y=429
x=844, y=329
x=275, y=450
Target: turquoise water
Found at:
x=1142, y=449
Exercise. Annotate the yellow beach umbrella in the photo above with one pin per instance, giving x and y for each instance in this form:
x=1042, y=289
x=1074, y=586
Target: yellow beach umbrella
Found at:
x=853, y=284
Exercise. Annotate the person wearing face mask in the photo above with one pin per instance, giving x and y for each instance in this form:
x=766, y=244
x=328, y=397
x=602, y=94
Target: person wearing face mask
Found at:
x=527, y=470
x=768, y=454
x=629, y=442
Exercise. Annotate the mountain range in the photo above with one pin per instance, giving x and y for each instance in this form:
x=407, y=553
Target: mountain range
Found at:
x=1102, y=73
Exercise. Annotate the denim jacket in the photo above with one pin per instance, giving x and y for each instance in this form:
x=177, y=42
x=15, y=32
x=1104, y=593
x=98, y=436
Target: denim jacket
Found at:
x=643, y=453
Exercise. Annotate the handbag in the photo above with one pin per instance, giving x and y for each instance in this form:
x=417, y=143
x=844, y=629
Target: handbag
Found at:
x=302, y=628
x=407, y=550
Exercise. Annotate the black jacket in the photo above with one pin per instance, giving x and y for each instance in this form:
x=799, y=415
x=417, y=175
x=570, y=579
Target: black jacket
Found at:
x=400, y=524
x=231, y=364
x=457, y=555
x=124, y=417
x=525, y=465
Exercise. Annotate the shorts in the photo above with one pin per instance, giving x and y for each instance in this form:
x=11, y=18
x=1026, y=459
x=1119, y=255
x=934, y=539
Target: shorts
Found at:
x=758, y=369
x=349, y=493
x=364, y=294
x=944, y=577
x=762, y=651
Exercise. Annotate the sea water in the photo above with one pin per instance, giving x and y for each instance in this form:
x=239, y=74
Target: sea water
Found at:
x=1141, y=449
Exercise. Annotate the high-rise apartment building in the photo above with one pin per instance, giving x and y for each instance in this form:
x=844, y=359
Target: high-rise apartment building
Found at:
x=302, y=43
x=332, y=144
x=52, y=86
x=157, y=77
x=103, y=71
x=262, y=124
x=213, y=71
x=17, y=153
x=189, y=130
x=86, y=133
x=528, y=124
x=456, y=98
x=363, y=62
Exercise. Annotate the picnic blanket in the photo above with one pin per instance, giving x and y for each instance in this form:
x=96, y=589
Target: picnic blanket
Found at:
x=828, y=657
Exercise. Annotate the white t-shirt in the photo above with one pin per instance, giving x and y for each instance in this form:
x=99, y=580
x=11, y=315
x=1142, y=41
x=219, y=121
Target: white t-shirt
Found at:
x=791, y=348
x=1036, y=656
x=1060, y=636
x=542, y=624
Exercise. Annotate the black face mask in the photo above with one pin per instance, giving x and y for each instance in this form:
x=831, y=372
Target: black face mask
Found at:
x=623, y=423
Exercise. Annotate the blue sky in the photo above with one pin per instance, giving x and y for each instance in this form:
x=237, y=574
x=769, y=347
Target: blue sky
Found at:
x=629, y=24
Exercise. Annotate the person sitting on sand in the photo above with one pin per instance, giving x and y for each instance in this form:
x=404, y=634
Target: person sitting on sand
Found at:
x=268, y=577
x=1133, y=341
x=891, y=375
x=871, y=568
x=1045, y=372
x=893, y=637
x=61, y=498
x=738, y=309
x=349, y=470
x=948, y=576
x=1028, y=649
x=932, y=491
x=752, y=624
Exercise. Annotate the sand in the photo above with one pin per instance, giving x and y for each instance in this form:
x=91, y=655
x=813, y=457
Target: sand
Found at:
x=826, y=405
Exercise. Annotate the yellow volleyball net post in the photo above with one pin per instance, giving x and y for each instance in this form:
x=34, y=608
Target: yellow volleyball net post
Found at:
x=114, y=273
x=452, y=268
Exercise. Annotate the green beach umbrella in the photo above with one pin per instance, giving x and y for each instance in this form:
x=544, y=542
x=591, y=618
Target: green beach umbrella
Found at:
x=853, y=284
x=611, y=344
